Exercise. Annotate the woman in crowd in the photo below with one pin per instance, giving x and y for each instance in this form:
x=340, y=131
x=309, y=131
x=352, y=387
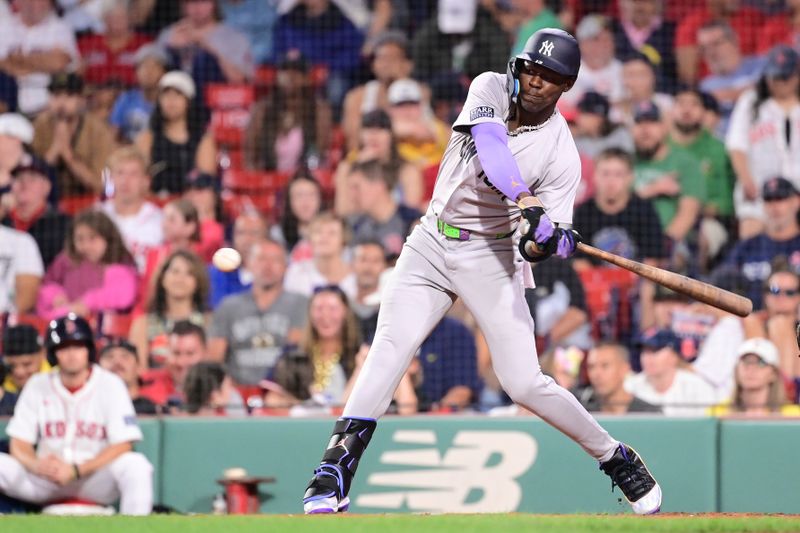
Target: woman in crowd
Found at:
x=94, y=273
x=176, y=140
x=376, y=141
x=209, y=391
x=302, y=200
x=180, y=292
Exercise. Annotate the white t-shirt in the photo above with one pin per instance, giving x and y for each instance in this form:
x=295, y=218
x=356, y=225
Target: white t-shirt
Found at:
x=546, y=155
x=50, y=34
x=302, y=277
x=141, y=231
x=719, y=354
x=763, y=140
x=19, y=255
x=606, y=81
x=689, y=395
x=74, y=426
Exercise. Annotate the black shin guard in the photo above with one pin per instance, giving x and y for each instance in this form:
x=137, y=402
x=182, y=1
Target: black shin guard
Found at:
x=340, y=461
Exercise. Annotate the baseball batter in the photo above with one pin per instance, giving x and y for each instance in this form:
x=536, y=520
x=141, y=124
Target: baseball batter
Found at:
x=73, y=430
x=508, y=141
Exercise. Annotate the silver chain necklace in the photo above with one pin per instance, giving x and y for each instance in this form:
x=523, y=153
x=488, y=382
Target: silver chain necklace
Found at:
x=525, y=129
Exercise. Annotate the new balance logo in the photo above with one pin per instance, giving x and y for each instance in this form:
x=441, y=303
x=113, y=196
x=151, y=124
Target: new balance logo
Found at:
x=546, y=49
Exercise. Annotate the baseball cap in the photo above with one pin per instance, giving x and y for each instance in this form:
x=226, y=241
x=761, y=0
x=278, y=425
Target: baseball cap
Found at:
x=647, y=112
x=23, y=339
x=31, y=163
x=16, y=125
x=594, y=103
x=395, y=37
x=591, y=26
x=376, y=119
x=293, y=60
x=66, y=82
x=178, y=80
x=456, y=16
x=656, y=339
x=778, y=188
x=404, y=91
x=151, y=51
x=782, y=63
x=761, y=347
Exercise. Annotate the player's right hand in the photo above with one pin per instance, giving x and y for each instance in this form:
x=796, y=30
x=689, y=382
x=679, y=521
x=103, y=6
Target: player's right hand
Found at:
x=539, y=227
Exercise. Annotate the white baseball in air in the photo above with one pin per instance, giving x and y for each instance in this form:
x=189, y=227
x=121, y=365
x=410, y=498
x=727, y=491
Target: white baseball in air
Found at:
x=226, y=259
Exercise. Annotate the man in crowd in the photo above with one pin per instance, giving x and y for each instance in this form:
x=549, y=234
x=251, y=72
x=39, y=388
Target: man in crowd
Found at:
x=607, y=366
x=23, y=356
x=250, y=330
x=369, y=265
x=16, y=133
x=164, y=386
x=119, y=357
x=248, y=228
x=600, y=71
x=22, y=274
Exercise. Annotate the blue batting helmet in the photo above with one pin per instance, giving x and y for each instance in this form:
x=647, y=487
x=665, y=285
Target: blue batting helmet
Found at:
x=552, y=48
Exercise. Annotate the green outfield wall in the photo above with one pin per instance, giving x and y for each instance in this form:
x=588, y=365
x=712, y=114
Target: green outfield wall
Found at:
x=479, y=464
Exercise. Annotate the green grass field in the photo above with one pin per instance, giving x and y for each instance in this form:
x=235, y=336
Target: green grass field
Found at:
x=492, y=523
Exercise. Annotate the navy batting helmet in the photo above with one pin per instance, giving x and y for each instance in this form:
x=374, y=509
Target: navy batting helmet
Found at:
x=552, y=48
x=69, y=330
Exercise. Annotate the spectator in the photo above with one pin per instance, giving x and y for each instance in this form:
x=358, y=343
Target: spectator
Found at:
x=666, y=174
x=781, y=28
x=328, y=235
x=176, y=141
x=76, y=143
x=600, y=71
x=139, y=220
x=642, y=29
x=83, y=16
x=445, y=369
x=186, y=347
x=607, y=366
x=23, y=356
x=380, y=216
x=564, y=366
x=131, y=112
x=291, y=126
x=593, y=131
x=759, y=389
x=763, y=140
x=152, y=16
x=639, y=82
x=248, y=228
x=109, y=53
x=421, y=137
x=537, y=15
x=205, y=47
x=377, y=141
x=16, y=135
x=119, y=357
x=20, y=279
x=94, y=273
x=558, y=306
x=781, y=237
x=8, y=400
x=323, y=368
x=36, y=43
x=256, y=20
x=745, y=22
x=251, y=329
x=730, y=74
x=30, y=189
x=391, y=61
x=209, y=391
x=663, y=382
x=202, y=191
x=448, y=93
x=462, y=37
x=302, y=201
x=369, y=267
x=180, y=292
x=324, y=36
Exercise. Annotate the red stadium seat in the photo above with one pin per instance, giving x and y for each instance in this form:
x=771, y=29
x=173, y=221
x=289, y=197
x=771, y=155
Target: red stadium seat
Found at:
x=609, y=291
x=230, y=111
x=254, y=180
x=429, y=175
x=229, y=96
x=75, y=204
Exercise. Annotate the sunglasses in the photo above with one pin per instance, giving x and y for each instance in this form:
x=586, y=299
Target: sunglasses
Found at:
x=753, y=360
x=777, y=291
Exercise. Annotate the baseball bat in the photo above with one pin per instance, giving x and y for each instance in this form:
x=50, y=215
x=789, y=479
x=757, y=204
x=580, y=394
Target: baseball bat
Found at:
x=698, y=290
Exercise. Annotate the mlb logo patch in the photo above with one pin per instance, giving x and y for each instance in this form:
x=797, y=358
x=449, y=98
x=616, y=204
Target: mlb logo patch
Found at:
x=483, y=111
x=130, y=420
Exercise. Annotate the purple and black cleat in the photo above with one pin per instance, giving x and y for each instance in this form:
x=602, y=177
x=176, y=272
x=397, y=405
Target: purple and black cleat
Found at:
x=628, y=472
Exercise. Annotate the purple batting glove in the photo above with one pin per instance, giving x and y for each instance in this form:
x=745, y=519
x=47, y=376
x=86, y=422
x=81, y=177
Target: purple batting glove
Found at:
x=544, y=230
x=567, y=242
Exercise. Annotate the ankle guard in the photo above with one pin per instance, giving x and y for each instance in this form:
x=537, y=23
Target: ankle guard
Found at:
x=340, y=461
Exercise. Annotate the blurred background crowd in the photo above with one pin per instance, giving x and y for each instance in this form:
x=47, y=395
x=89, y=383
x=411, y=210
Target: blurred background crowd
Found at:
x=139, y=136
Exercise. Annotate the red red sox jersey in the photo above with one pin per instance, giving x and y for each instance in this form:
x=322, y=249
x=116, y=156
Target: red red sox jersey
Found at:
x=74, y=426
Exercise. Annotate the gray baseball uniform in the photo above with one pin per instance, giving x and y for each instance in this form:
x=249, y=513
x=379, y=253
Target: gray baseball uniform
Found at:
x=485, y=269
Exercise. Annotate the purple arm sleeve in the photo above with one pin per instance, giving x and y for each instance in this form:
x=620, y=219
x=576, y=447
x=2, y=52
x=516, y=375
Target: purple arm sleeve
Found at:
x=497, y=160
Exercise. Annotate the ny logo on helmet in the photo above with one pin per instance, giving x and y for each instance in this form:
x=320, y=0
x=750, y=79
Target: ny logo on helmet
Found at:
x=547, y=48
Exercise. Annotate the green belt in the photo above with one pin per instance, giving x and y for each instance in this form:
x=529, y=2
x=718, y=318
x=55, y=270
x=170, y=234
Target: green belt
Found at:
x=453, y=232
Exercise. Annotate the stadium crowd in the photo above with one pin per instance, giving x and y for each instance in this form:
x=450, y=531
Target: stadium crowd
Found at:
x=137, y=137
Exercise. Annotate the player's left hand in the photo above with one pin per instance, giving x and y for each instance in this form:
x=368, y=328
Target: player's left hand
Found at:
x=62, y=473
x=567, y=242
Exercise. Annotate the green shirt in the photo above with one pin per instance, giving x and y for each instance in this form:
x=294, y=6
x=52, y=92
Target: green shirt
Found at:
x=716, y=169
x=684, y=167
x=545, y=19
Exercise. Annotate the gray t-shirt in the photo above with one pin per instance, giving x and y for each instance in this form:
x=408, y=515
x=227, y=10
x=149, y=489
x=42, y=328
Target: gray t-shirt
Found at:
x=256, y=338
x=228, y=42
